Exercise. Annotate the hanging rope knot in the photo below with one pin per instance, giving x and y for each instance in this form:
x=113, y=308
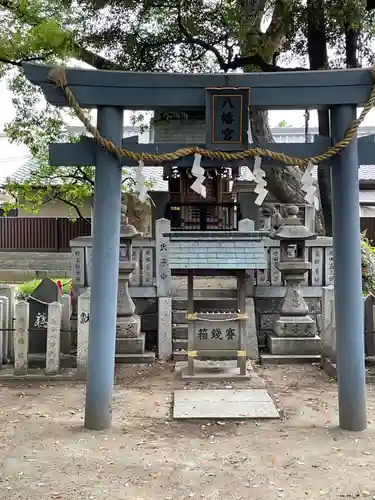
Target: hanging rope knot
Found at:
x=58, y=77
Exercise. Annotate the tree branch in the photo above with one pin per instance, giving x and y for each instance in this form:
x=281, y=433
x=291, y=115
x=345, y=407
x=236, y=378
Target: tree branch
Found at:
x=257, y=60
x=190, y=39
x=23, y=60
x=73, y=205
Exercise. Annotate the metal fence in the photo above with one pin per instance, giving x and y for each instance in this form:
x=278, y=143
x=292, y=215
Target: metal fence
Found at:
x=40, y=234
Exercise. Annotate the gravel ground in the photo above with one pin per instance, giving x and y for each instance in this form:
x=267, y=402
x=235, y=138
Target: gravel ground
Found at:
x=46, y=454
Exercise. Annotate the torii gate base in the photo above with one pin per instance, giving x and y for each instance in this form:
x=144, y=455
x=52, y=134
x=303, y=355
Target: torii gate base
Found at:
x=105, y=264
x=348, y=276
x=341, y=91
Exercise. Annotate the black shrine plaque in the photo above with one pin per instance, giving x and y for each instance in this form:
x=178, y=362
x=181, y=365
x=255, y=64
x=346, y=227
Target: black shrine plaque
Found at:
x=227, y=118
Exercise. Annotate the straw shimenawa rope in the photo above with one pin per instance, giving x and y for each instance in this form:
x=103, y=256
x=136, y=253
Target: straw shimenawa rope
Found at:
x=59, y=78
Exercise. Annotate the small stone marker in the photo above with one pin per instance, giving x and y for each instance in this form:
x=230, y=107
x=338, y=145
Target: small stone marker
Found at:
x=46, y=293
x=5, y=334
x=21, y=338
x=83, y=322
x=165, y=328
x=2, y=335
x=223, y=404
x=53, y=338
x=65, y=338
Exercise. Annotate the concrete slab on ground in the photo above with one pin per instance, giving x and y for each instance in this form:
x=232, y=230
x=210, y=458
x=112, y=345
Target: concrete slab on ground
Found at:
x=212, y=370
x=223, y=404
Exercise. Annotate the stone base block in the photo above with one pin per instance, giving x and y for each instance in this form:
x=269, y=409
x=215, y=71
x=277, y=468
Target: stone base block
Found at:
x=128, y=326
x=146, y=358
x=288, y=359
x=294, y=345
x=295, y=326
x=134, y=345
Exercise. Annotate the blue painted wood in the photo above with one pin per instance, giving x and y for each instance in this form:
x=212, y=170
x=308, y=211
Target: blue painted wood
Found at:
x=348, y=277
x=105, y=268
x=83, y=153
x=147, y=91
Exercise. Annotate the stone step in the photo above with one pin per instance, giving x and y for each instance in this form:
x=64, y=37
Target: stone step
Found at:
x=207, y=303
x=180, y=344
x=294, y=345
x=128, y=345
x=179, y=317
x=179, y=331
x=181, y=293
x=179, y=356
x=146, y=357
x=285, y=359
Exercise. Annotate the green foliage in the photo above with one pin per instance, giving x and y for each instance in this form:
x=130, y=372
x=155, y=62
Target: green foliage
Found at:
x=368, y=267
x=24, y=290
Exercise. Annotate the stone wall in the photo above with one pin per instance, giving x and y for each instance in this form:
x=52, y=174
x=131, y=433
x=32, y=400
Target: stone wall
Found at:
x=17, y=267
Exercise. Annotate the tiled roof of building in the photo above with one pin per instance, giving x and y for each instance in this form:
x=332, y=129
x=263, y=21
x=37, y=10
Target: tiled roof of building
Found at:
x=210, y=250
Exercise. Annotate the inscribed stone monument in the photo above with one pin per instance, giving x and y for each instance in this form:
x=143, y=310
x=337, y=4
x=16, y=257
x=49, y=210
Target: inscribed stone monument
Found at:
x=46, y=293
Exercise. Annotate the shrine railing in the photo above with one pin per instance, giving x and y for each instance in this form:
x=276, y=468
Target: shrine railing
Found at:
x=203, y=216
x=143, y=252
x=319, y=253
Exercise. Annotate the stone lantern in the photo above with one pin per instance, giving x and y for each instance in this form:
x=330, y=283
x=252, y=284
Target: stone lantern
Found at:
x=294, y=330
x=128, y=328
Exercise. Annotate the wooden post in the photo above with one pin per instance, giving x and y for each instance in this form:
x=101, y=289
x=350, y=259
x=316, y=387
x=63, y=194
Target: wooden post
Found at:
x=21, y=338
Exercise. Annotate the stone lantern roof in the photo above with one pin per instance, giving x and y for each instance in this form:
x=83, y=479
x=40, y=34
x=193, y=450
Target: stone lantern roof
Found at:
x=292, y=228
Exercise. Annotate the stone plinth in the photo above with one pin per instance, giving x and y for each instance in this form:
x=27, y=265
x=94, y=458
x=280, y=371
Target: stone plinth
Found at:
x=295, y=326
x=128, y=327
x=294, y=345
x=130, y=341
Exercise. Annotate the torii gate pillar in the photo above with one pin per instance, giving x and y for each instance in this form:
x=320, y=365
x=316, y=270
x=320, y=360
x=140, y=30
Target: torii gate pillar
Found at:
x=105, y=266
x=348, y=275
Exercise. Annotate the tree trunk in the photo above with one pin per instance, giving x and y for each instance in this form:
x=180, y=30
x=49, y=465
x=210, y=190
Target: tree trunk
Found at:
x=283, y=182
x=318, y=58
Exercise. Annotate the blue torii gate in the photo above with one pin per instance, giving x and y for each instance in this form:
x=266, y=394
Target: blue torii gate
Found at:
x=111, y=92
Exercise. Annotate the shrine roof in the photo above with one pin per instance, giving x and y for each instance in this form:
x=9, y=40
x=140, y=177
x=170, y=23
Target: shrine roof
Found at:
x=212, y=250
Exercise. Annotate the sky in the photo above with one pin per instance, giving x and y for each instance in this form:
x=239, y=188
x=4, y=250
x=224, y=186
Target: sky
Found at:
x=13, y=156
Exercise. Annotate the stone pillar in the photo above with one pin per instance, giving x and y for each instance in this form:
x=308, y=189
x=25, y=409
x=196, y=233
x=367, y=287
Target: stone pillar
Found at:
x=294, y=329
x=251, y=330
x=2, y=334
x=165, y=328
x=53, y=338
x=163, y=272
x=21, y=338
x=83, y=322
x=329, y=324
x=8, y=292
x=249, y=210
x=159, y=199
x=66, y=337
x=6, y=334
